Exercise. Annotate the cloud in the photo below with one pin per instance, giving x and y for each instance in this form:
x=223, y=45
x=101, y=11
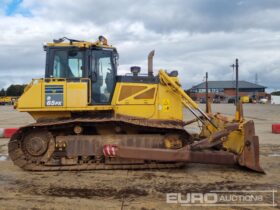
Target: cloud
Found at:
x=190, y=36
x=166, y=15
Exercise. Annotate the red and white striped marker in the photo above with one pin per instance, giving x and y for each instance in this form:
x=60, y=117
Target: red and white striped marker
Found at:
x=7, y=132
x=276, y=128
x=110, y=150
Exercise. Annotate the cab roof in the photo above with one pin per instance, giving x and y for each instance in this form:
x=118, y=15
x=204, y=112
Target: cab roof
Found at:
x=66, y=42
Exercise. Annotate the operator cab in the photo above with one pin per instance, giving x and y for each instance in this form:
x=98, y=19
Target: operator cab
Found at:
x=78, y=60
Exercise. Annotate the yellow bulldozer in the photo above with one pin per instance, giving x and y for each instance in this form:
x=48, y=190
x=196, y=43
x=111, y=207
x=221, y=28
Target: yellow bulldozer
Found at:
x=89, y=117
x=7, y=100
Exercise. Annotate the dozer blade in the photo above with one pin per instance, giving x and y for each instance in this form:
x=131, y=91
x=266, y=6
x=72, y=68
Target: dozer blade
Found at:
x=249, y=156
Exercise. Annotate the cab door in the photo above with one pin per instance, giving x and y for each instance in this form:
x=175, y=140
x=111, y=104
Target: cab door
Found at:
x=103, y=76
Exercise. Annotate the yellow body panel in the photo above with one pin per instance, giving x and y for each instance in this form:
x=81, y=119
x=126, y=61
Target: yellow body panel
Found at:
x=142, y=111
x=164, y=105
x=134, y=93
x=32, y=97
x=50, y=114
x=153, y=101
x=169, y=105
x=76, y=95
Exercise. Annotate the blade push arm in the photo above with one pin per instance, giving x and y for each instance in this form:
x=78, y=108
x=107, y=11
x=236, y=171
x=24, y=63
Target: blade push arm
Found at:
x=185, y=99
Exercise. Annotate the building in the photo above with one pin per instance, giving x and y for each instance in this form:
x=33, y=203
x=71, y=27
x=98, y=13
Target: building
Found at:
x=224, y=90
x=275, y=99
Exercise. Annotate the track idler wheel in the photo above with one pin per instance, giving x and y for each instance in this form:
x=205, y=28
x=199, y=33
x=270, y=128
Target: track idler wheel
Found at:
x=35, y=144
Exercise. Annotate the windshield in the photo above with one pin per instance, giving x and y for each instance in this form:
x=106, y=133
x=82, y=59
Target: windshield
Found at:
x=67, y=64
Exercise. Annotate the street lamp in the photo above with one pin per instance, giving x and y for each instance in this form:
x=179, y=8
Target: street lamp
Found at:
x=206, y=84
x=235, y=66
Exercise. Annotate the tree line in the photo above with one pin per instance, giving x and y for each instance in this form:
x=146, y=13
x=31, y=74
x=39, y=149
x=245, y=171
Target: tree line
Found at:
x=12, y=90
x=276, y=93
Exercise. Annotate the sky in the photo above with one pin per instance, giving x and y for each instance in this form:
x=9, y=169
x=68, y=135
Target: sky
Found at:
x=191, y=36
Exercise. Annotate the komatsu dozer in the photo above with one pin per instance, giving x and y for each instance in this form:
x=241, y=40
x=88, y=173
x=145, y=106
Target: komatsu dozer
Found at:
x=88, y=117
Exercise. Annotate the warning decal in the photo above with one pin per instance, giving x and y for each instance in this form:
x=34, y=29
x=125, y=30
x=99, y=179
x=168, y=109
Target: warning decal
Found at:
x=165, y=105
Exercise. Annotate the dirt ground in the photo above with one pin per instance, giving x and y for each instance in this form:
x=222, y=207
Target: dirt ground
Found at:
x=122, y=189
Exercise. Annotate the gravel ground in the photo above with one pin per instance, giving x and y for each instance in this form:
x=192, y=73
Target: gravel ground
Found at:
x=138, y=189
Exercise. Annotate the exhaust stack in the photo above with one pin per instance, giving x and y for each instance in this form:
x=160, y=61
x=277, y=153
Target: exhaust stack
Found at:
x=150, y=63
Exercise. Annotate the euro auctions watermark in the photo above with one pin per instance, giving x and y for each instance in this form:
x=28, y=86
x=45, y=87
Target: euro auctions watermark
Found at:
x=224, y=198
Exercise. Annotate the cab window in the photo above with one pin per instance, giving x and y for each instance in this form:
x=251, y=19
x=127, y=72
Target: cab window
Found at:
x=67, y=64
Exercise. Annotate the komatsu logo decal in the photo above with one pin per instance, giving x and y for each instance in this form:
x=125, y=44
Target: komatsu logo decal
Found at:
x=54, y=95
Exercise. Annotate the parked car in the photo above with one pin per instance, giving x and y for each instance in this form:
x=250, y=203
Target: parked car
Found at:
x=202, y=101
x=216, y=101
x=263, y=101
x=231, y=100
